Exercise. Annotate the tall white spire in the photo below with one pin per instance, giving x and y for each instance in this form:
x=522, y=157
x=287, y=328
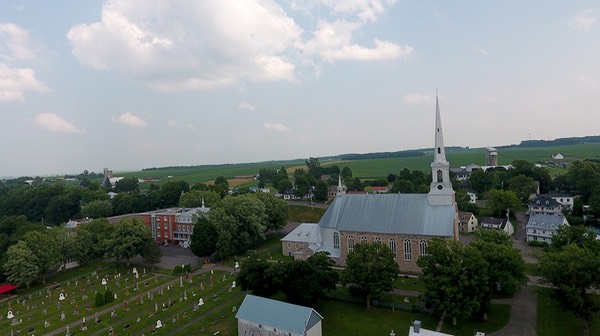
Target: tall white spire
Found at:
x=440, y=150
x=341, y=189
x=440, y=192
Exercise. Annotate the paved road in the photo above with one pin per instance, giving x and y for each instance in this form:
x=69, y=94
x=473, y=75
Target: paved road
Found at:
x=523, y=313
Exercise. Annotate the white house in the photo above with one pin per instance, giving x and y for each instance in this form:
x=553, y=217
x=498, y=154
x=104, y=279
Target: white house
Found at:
x=545, y=205
x=566, y=201
x=467, y=222
x=259, y=316
x=542, y=227
x=503, y=224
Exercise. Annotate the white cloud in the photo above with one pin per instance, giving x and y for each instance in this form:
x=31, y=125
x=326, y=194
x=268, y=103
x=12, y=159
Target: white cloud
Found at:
x=246, y=106
x=15, y=43
x=54, y=123
x=181, y=126
x=583, y=21
x=209, y=45
x=417, y=98
x=276, y=127
x=479, y=50
x=129, y=120
x=365, y=10
x=14, y=82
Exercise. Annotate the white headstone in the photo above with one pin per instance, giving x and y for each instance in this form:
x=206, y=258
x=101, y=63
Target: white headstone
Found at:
x=104, y=281
x=61, y=296
x=233, y=284
x=10, y=315
x=200, y=302
x=158, y=324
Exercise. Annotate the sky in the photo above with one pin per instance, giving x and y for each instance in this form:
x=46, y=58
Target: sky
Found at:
x=135, y=84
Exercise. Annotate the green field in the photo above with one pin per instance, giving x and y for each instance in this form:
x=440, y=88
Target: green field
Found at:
x=377, y=168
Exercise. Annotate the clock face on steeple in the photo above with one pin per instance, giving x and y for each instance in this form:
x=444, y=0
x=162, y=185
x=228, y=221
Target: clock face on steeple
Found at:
x=440, y=187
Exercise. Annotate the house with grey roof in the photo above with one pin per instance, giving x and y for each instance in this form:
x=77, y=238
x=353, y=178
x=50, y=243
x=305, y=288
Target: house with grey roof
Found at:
x=260, y=316
x=404, y=222
x=545, y=205
x=541, y=227
x=502, y=224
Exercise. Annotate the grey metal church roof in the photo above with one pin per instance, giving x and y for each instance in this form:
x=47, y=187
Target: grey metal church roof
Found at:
x=389, y=213
x=276, y=314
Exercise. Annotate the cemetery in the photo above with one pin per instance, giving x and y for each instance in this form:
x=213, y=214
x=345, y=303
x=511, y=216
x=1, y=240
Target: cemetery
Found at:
x=113, y=299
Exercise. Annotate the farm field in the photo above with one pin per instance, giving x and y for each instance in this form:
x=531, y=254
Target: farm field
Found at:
x=372, y=168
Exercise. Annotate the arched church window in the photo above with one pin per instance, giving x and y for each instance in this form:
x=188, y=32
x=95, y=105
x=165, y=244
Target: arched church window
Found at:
x=439, y=176
x=350, y=244
x=407, y=249
x=377, y=240
x=393, y=246
x=423, y=247
x=336, y=240
x=363, y=240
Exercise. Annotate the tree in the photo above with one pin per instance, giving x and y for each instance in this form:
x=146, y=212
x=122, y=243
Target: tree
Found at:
x=573, y=271
x=523, y=186
x=402, y=186
x=346, y=173
x=259, y=277
x=204, y=238
x=370, y=270
x=505, y=265
x=97, y=209
x=127, y=184
x=455, y=278
x=21, y=264
x=240, y=221
x=128, y=239
x=151, y=253
x=321, y=191
x=303, y=282
x=194, y=198
x=221, y=186
x=314, y=167
x=500, y=200
x=169, y=194
x=47, y=250
x=276, y=210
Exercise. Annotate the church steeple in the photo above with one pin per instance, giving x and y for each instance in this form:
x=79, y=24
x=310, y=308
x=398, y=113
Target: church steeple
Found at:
x=341, y=189
x=440, y=192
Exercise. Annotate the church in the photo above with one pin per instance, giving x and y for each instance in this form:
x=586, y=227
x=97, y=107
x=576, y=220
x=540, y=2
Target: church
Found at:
x=404, y=222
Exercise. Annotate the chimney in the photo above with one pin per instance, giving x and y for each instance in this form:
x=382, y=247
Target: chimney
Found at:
x=417, y=326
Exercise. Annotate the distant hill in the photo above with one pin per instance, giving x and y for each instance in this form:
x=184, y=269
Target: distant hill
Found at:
x=557, y=142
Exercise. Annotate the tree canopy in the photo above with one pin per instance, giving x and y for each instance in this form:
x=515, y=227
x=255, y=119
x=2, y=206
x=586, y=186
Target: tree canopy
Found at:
x=127, y=239
x=370, y=270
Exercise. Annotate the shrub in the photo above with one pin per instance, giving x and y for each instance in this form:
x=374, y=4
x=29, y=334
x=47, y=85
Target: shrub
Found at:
x=99, y=299
x=177, y=270
x=187, y=268
x=109, y=296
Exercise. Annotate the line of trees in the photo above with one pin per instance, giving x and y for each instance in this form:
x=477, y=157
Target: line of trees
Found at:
x=236, y=223
x=41, y=251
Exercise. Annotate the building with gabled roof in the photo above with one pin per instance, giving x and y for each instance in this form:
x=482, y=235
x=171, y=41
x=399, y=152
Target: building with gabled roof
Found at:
x=542, y=227
x=260, y=316
x=545, y=205
x=404, y=222
x=502, y=224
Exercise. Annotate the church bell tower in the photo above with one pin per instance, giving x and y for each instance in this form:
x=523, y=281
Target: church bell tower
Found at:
x=440, y=192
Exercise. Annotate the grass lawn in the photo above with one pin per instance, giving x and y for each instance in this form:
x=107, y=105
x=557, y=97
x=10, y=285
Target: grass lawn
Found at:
x=173, y=305
x=341, y=318
x=305, y=214
x=410, y=283
x=552, y=320
x=498, y=317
